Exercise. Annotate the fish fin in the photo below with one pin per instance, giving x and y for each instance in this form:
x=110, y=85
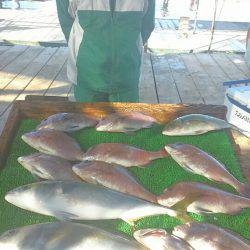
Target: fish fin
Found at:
x=130, y=221
x=64, y=216
x=37, y=177
x=129, y=132
x=244, y=189
x=201, y=211
x=184, y=203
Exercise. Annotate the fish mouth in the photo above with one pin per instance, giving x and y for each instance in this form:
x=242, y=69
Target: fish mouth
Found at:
x=155, y=232
x=11, y=196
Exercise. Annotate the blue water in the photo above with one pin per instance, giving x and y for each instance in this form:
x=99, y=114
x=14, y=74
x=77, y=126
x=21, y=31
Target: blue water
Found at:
x=23, y=4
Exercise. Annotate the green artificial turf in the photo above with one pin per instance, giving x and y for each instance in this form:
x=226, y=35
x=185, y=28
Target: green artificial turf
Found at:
x=162, y=173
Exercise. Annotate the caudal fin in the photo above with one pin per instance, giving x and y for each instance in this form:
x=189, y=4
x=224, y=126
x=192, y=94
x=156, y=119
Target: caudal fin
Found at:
x=160, y=154
x=244, y=189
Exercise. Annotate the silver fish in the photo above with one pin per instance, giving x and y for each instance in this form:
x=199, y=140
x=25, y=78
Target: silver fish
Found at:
x=194, y=124
x=114, y=177
x=122, y=154
x=199, y=162
x=67, y=122
x=209, y=199
x=64, y=236
x=55, y=143
x=126, y=122
x=48, y=167
x=209, y=237
x=69, y=200
x=159, y=239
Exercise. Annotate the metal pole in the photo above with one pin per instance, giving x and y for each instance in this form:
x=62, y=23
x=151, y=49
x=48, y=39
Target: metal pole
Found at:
x=196, y=16
x=213, y=25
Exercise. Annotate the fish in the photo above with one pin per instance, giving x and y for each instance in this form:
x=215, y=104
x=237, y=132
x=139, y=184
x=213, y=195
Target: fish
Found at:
x=114, y=177
x=194, y=124
x=207, y=236
x=70, y=201
x=209, y=199
x=199, y=162
x=122, y=154
x=67, y=122
x=125, y=122
x=48, y=167
x=159, y=239
x=55, y=143
x=64, y=236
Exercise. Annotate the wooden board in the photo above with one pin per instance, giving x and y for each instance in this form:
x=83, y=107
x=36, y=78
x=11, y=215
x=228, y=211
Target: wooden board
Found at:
x=40, y=107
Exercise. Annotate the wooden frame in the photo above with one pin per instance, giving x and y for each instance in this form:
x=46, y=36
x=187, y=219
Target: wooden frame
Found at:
x=39, y=107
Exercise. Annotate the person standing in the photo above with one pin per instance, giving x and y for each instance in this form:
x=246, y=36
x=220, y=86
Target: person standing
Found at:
x=105, y=39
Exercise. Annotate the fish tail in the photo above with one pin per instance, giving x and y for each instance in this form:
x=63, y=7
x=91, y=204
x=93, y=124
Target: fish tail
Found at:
x=244, y=189
x=160, y=154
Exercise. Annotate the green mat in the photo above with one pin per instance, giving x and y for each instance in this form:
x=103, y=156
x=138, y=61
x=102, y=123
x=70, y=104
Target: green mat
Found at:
x=161, y=174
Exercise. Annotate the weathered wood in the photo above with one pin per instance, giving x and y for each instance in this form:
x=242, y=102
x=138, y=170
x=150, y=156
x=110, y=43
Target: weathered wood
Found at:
x=239, y=62
x=165, y=84
x=42, y=81
x=9, y=133
x=17, y=86
x=203, y=81
x=41, y=98
x=60, y=86
x=228, y=67
x=9, y=55
x=147, y=82
x=12, y=70
x=186, y=86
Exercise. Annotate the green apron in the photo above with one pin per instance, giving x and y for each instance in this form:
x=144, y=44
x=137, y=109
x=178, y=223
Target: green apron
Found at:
x=109, y=56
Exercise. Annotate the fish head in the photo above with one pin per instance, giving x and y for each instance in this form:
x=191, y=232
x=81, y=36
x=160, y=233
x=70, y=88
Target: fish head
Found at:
x=152, y=238
x=24, y=197
x=104, y=125
x=31, y=163
x=8, y=240
x=182, y=231
x=31, y=138
x=174, y=149
x=174, y=127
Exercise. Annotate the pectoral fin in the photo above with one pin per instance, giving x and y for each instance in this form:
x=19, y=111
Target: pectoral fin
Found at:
x=64, y=216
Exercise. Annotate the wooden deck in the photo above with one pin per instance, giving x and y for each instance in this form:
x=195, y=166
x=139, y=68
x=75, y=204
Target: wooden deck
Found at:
x=173, y=78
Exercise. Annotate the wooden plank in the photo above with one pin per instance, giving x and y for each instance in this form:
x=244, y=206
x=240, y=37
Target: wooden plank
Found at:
x=205, y=84
x=166, y=87
x=60, y=86
x=147, y=83
x=3, y=119
x=11, y=54
x=239, y=61
x=4, y=48
x=186, y=86
x=12, y=70
x=42, y=81
x=213, y=70
x=8, y=133
x=228, y=67
x=16, y=87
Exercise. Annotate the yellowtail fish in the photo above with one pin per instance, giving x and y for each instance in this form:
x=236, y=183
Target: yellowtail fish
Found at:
x=64, y=236
x=67, y=200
